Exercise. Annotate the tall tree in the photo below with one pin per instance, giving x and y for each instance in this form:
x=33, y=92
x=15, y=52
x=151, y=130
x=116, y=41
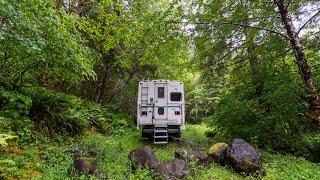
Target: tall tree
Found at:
x=222, y=22
x=47, y=37
x=301, y=59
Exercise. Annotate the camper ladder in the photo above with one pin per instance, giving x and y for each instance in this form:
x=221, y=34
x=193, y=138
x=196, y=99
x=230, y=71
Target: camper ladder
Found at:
x=160, y=135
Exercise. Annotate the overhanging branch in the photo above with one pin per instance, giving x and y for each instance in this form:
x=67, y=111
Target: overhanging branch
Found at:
x=235, y=24
x=288, y=4
x=308, y=21
x=261, y=28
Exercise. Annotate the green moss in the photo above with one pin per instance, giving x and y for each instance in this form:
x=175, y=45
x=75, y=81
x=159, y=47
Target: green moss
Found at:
x=216, y=147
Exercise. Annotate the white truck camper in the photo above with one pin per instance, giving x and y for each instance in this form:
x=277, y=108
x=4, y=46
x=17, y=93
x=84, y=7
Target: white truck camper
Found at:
x=161, y=108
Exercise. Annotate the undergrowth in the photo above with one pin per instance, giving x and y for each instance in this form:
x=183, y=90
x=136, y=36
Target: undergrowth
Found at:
x=48, y=159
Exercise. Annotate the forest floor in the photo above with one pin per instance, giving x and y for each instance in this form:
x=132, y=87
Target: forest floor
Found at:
x=52, y=160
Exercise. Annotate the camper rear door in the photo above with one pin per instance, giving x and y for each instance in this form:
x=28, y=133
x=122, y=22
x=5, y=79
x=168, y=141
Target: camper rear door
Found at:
x=161, y=109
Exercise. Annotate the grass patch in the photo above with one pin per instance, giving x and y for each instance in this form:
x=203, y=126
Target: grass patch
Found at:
x=50, y=160
x=196, y=133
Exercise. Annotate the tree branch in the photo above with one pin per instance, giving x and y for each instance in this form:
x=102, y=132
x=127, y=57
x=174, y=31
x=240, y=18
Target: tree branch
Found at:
x=308, y=21
x=261, y=28
x=237, y=24
x=288, y=4
x=277, y=2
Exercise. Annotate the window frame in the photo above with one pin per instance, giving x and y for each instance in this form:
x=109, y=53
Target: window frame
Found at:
x=162, y=108
x=162, y=93
x=180, y=97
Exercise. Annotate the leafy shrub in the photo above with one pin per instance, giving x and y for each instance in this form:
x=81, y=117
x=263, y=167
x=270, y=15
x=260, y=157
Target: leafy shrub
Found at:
x=4, y=138
x=269, y=118
x=311, y=142
x=210, y=133
x=51, y=112
x=54, y=112
x=13, y=104
x=22, y=128
x=200, y=104
x=7, y=166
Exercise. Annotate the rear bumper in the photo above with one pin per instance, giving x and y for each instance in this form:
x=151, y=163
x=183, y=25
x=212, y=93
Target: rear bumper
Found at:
x=172, y=129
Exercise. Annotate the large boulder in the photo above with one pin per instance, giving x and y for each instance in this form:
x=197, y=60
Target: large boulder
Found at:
x=192, y=155
x=143, y=158
x=218, y=151
x=172, y=169
x=84, y=165
x=243, y=157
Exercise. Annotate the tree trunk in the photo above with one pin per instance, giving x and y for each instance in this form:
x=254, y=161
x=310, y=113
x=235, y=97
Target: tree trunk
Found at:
x=255, y=71
x=107, y=61
x=301, y=60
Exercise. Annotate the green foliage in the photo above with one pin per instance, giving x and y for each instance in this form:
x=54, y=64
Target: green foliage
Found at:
x=271, y=118
x=196, y=134
x=4, y=138
x=51, y=112
x=22, y=128
x=57, y=161
x=238, y=79
x=13, y=104
x=248, y=67
x=7, y=166
x=40, y=43
x=200, y=103
x=311, y=145
x=54, y=112
x=52, y=159
x=289, y=167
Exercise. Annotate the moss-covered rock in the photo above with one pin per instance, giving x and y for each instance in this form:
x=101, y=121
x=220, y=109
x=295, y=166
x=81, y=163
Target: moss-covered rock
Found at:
x=217, y=151
x=217, y=147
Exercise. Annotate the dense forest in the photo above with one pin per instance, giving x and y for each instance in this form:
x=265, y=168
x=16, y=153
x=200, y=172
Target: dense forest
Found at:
x=70, y=69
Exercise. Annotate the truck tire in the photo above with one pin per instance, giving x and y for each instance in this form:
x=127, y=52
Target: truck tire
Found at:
x=178, y=135
x=146, y=136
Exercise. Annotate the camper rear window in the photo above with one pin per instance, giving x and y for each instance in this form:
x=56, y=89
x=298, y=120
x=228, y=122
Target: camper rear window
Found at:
x=160, y=92
x=175, y=96
x=160, y=110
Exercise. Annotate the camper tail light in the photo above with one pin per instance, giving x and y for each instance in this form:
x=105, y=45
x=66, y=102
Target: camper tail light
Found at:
x=177, y=113
x=144, y=113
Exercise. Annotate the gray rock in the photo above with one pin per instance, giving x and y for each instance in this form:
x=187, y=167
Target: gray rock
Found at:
x=172, y=169
x=84, y=166
x=199, y=156
x=243, y=157
x=218, y=151
x=143, y=158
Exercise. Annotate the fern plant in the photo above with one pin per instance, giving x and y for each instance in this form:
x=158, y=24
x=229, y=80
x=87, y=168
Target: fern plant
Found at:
x=4, y=138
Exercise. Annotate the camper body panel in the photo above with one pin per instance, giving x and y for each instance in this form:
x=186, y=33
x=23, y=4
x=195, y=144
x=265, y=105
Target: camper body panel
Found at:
x=161, y=102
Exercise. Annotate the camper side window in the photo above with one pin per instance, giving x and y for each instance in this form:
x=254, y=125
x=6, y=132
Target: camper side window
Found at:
x=160, y=92
x=175, y=96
